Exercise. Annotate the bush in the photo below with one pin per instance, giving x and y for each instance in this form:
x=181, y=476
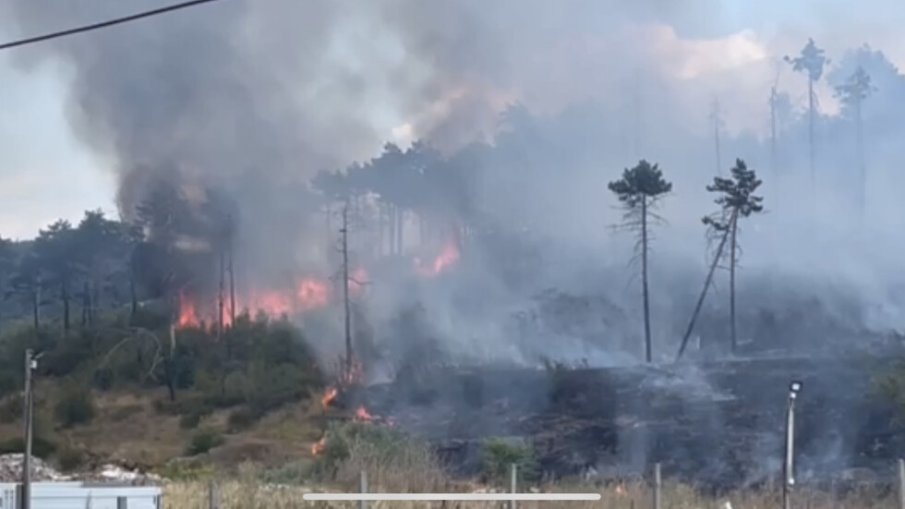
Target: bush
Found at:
x=203, y=441
x=74, y=407
x=501, y=454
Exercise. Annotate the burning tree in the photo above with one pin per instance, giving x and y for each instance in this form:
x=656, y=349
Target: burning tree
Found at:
x=811, y=60
x=736, y=200
x=639, y=189
x=852, y=93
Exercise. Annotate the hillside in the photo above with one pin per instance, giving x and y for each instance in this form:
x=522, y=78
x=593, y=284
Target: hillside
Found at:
x=126, y=394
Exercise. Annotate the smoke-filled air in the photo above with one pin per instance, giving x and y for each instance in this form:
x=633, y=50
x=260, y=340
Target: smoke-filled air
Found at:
x=503, y=125
x=512, y=183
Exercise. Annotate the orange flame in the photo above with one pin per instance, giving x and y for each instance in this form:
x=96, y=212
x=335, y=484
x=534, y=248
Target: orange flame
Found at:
x=317, y=448
x=329, y=397
x=188, y=315
x=362, y=414
x=312, y=294
x=446, y=259
x=620, y=490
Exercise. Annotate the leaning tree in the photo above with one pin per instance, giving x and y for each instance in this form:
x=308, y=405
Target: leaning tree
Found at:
x=811, y=61
x=736, y=200
x=638, y=190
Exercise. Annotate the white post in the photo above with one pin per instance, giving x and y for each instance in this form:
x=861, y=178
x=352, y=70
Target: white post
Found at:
x=513, y=483
x=657, y=485
x=213, y=496
x=363, y=488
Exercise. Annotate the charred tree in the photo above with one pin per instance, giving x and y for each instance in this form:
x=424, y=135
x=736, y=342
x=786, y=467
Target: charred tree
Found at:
x=736, y=200
x=852, y=94
x=347, y=317
x=221, y=293
x=811, y=61
x=639, y=189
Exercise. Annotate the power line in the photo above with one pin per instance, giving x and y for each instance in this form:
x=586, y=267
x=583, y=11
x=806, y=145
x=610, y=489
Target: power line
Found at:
x=103, y=24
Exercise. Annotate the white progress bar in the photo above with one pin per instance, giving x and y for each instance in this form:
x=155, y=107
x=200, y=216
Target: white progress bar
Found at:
x=483, y=497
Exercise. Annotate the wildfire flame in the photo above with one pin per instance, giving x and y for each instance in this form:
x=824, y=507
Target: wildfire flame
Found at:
x=318, y=447
x=329, y=397
x=188, y=315
x=446, y=259
x=362, y=414
x=310, y=294
x=620, y=490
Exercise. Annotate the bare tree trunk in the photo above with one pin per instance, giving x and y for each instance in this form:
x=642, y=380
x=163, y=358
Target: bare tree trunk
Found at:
x=232, y=288
x=707, y=281
x=773, y=161
x=811, y=129
x=168, y=363
x=221, y=291
x=862, y=165
x=347, y=319
x=391, y=219
x=36, y=303
x=86, y=304
x=133, y=293
x=64, y=295
x=648, y=354
x=400, y=227
x=732, y=258
x=94, y=303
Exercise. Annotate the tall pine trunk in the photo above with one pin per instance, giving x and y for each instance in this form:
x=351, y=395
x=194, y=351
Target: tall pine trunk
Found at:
x=232, y=288
x=811, y=130
x=221, y=300
x=648, y=354
x=65, y=296
x=36, y=304
x=400, y=225
x=862, y=165
x=732, y=255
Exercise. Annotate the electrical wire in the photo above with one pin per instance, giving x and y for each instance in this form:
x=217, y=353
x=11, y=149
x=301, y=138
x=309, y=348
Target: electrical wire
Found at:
x=103, y=24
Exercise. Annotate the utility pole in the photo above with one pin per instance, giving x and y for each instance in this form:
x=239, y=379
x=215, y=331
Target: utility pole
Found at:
x=788, y=467
x=30, y=364
x=347, y=318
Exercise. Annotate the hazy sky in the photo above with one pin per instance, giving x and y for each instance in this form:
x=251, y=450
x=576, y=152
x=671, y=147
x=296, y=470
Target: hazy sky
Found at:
x=45, y=173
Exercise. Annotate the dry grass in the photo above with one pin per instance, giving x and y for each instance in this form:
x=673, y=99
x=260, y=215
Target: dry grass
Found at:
x=244, y=494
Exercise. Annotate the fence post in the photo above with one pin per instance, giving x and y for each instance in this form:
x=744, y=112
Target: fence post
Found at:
x=901, y=483
x=213, y=495
x=657, y=485
x=363, y=488
x=513, y=483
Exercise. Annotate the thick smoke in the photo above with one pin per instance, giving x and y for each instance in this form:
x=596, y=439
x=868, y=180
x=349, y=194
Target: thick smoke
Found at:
x=253, y=98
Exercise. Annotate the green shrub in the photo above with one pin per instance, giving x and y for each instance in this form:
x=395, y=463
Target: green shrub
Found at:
x=500, y=454
x=76, y=406
x=203, y=441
